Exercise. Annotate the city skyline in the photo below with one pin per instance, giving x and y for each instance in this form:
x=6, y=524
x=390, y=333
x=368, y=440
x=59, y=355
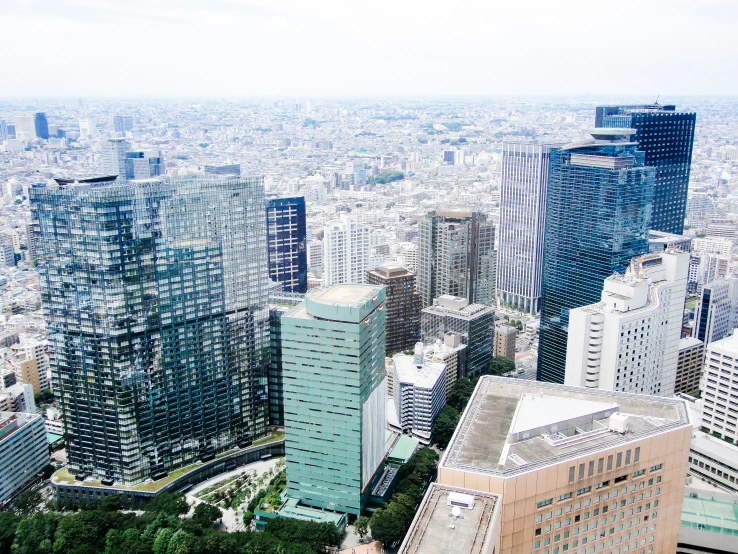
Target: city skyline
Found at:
x=409, y=48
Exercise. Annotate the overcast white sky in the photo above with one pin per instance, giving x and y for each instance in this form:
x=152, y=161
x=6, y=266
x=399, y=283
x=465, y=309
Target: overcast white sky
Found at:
x=338, y=48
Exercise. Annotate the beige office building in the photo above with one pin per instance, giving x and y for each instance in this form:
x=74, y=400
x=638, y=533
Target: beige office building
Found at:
x=505, y=341
x=575, y=470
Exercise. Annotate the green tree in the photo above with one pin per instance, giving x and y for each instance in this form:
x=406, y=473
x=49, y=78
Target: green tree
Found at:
x=206, y=515
x=361, y=526
x=8, y=525
x=28, y=502
x=390, y=523
x=501, y=365
x=35, y=534
x=445, y=425
x=161, y=541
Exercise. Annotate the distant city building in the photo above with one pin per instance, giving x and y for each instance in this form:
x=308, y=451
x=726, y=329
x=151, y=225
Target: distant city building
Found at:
x=143, y=164
x=522, y=224
x=122, y=123
x=87, y=129
x=505, y=341
x=114, y=157
x=287, y=242
x=457, y=257
x=472, y=322
x=7, y=252
x=659, y=241
x=629, y=341
x=402, y=306
x=713, y=245
x=25, y=127
x=334, y=396
x=555, y=456
x=345, y=251
x=719, y=415
x=612, y=190
x=716, y=312
x=41, y=126
x=689, y=366
x=24, y=451
x=419, y=392
x=231, y=169
x=666, y=137
x=165, y=311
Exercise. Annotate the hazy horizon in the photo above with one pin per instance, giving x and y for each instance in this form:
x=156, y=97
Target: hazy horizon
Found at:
x=232, y=49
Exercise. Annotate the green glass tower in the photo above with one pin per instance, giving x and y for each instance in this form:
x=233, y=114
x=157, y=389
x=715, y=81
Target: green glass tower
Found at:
x=334, y=396
x=155, y=295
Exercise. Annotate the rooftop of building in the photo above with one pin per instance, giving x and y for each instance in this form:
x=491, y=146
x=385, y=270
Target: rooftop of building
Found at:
x=425, y=375
x=689, y=342
x=345, y=303
x=457, y=306
x=436, y=528
x=562, y=422
x=714, y=512
x=391, y=271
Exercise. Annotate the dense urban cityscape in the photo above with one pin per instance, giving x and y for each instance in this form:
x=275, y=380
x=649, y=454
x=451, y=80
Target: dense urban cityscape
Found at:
x=309, y=325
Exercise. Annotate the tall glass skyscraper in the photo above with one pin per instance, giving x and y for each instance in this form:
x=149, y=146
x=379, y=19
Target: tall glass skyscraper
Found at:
x=522, y=220
x=287, y=242
x=41, y=125
x=598, y=215
x=666, y=137
x=155, y=294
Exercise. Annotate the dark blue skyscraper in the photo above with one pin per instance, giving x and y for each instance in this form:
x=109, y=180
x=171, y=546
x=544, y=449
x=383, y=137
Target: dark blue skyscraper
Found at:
x=598, y=215
x=42, y=126
x=666, y=137
x=287, y=242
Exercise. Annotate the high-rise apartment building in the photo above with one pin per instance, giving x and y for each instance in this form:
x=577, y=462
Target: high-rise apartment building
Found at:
x=716, y=312
x=505, y=341
x=720, y=400
x=576, y=470
x=122, y=123
x=666, y=137
x=472, y=322
x=287, y=242
x=114, y=157
x=402, y=306
x=457, y=257
x=24, y=451
x=629, y=341
x=155, y=295
x=25, y=127
x=345, y=251
x=334, y=396
x=612, y=190
x=41, y=125
x=689, y=366
x=522, y=223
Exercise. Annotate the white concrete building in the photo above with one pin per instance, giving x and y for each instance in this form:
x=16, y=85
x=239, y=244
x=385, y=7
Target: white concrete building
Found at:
x=345, y=251
x=24, y=451
x=716, y=313
x=522, y=222
x=719, y=388
x=419, y=392
x=713, y=245
x=629, y=341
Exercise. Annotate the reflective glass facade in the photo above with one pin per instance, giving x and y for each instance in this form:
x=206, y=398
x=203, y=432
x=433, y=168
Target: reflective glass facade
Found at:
x=155, y=296
x=287, y=240
x=666, y=138
x=598, y=214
